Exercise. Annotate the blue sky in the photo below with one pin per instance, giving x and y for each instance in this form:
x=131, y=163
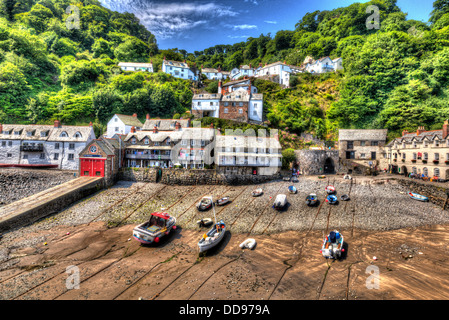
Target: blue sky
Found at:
x=199, y=24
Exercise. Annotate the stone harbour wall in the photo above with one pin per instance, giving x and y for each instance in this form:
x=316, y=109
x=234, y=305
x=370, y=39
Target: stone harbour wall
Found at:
x=191, y=177
x=438, y=193
x=313, y=162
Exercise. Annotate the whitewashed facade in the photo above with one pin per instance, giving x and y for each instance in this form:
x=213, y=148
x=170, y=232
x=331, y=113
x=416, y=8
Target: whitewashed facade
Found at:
x=179, y=70
x=206, y=104
x=135, y=66
x=242, y=72
x=44, y=144
x=122, y=124
x=279, y=69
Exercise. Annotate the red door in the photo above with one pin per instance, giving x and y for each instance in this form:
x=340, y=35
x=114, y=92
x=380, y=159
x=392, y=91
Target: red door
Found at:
x=92, y=167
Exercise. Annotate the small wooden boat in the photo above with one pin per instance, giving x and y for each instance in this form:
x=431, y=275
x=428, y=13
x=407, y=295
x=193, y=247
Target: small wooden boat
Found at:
x=295, y=180
x=204, y=222
x=321, y=177
x=248, y=243
x=280, y=202
x=159, y=225
x=257, y=192
x=330, y=189
x=311, y=199
x=286, y=178
x=223, y=201
x=292, y=189
x=345, y=197
x=333, y=245
x=332, y=199
x=347, y=177
x=213, y=237
x=418, y=197
x=204, y=204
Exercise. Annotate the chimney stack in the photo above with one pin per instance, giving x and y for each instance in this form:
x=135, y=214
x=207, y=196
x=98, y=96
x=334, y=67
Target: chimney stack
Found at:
x=148, y=116
x=420, y=130
x=155, y=129
x=133, y=129
x=211, y=125
x=249, y=89
x=177, y=126
x=404, y=132
x=135, y=115
x=90, y=124
x=220, y=87
x=57, y=124
x=445, y=128
x=1, y=128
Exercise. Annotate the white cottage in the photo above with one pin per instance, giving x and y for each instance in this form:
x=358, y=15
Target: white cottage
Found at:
x=122, y=124
x=135, y=66
x=215, y=74
x=179, y=70
x=278, y=71
x=242, y=72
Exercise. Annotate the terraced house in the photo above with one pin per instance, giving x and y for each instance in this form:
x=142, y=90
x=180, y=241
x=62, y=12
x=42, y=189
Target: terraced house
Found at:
x=424, y=153
x=183, y=146
x=54, y=146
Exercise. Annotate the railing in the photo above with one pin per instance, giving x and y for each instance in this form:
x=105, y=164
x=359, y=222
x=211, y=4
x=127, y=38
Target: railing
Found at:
x=148, y=156
x=32, y=148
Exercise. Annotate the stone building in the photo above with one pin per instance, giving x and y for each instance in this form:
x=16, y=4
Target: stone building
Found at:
x=311, y=162
x=44, y=145
x=425, y=153
x=363, y=146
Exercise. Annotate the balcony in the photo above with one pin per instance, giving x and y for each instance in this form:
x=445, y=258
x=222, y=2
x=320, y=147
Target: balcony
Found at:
x=148, y=156
x=32, y=148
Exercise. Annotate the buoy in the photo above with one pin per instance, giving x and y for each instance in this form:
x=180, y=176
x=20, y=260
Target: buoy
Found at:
x=174, y=228
x=374, y=258
x=156, y=239
x=45, y=243
x=67, y=233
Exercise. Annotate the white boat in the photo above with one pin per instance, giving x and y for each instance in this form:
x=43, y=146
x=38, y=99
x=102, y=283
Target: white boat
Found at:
x=333, y=245
x=292, y=189
x=223, y=201
x=204, y=204
x=257, y=192
x=330, y=189
x=248, y=243
x=204, y=222
x=280, y=202
x=214, y=236
x=159, y=225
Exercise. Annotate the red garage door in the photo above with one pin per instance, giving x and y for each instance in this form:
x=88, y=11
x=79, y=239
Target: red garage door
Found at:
x=92, y=167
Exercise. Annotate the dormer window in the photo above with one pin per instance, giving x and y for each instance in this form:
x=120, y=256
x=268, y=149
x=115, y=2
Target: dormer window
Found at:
x=133, y=140
x=77, y=135
x=18, y=132
x=63, y=134
x=147, y=141
x=436, y=143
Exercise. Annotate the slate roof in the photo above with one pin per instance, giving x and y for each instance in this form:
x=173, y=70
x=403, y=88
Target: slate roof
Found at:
x=72, y=133
x=362, y=134
x=165, y=124
x=135, y=64
x=130, y=120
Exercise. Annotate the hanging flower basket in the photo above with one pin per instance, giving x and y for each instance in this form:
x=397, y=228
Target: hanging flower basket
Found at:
x=413, y=160
x=446, y=162
x=424, y=161
x=436, y=161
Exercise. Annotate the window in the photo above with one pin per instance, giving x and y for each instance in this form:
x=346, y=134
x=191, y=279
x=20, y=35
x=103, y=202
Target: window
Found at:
x=42, y=156
x=436, y=143
x=203, y=143
x=240, y=111
x=77, y=135
x=147, y=141
x=350, y=145
x=9, y=155
x=56, y=156
x=71, y=157
x=425, y=144
x=71, y=146
x=254, y=112
x=9, y=143
x=403, y=155
x=184, y=142
x=414, y=155
x=362, y=155
x=3, y=143
x=436, y=172
x=426, y=156
x=117, y=129
x=44, y=133
x=25, y=156
x=425, y=172
x=156, y=143
x=437, y=156
x=57, y=145
x=362, y=143
x=116, y=119
x=414, y=144
x=226, y=110
x=64, y=134
x=133, y=140
x=211, y=103
x=374, y=143
x=241, y=104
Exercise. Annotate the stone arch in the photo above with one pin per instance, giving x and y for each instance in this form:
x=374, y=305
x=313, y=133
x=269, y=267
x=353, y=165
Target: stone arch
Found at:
x=404, y=170
x=329, y=166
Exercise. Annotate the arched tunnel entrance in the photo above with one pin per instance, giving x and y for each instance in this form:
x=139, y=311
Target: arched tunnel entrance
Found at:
x=329, y=166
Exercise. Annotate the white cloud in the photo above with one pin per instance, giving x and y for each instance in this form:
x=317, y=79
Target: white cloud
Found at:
x=244, y=27
x=165, y=20
x=237, y=37
x=253, y=2
x=269, y=21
